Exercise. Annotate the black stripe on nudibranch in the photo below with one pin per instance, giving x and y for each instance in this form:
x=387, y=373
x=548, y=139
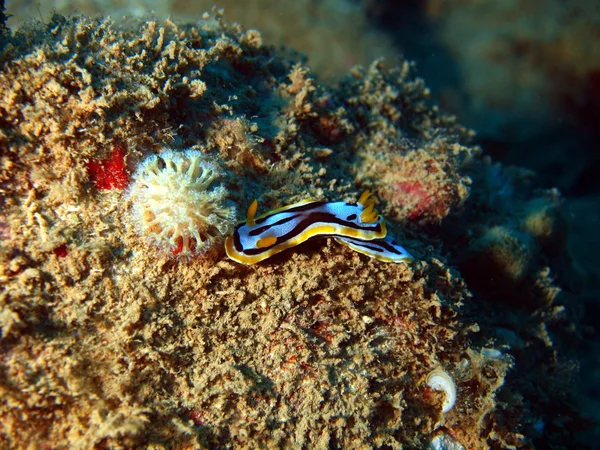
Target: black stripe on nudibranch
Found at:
x=377, y=245
x=367, y=246
x=390, y=247
x=237, y=243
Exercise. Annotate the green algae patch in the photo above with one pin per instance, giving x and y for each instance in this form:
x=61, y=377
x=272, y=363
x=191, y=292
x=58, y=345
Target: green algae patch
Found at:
x=108, y=342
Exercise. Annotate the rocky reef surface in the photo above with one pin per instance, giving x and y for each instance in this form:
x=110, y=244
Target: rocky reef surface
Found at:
x=110, y=340
x=333, y=35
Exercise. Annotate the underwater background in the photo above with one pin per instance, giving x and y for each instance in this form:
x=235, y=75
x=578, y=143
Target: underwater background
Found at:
x=475, y=123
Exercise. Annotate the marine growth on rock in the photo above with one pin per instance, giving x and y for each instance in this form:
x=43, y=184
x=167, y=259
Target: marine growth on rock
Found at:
x=107, y=345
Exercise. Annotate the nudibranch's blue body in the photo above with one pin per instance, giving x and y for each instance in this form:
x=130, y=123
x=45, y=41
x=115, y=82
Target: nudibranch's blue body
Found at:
x=353, y=224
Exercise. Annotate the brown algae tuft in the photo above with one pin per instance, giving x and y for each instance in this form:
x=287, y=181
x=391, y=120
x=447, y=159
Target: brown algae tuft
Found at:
x=174, y=206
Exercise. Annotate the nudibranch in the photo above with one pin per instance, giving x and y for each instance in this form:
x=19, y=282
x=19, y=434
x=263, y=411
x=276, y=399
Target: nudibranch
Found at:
x=259, y=238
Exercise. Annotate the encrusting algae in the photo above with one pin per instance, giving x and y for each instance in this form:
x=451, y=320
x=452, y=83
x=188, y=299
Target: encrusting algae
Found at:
x=109, y=341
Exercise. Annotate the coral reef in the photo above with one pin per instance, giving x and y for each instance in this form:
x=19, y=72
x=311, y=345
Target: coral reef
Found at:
x=333, y=34
x=523, y=75
x=515, y=256
x=108, y=342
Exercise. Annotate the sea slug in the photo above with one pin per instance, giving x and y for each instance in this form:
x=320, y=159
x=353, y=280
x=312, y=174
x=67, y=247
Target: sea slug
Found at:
x=357, y=225
x=172, y=205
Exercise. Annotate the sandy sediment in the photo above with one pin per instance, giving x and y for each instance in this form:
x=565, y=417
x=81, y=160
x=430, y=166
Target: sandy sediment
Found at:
x=109, y=341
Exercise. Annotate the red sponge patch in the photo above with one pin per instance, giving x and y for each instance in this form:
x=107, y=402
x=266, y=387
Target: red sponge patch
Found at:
x=110, y=173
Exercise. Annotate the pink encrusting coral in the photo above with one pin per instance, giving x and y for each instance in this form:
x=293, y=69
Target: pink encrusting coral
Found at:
x=412, y=194
x=418, y=186
x=174, y=206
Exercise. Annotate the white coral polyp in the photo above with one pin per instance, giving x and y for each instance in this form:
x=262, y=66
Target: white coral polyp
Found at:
x=173, y=205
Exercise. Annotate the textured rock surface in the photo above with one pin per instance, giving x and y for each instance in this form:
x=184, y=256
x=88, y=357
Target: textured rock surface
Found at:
x=107, y=343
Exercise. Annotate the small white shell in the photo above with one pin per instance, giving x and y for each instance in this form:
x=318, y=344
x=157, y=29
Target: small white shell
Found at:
x=444, y=442
x=439, y=380
x=493, y=353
